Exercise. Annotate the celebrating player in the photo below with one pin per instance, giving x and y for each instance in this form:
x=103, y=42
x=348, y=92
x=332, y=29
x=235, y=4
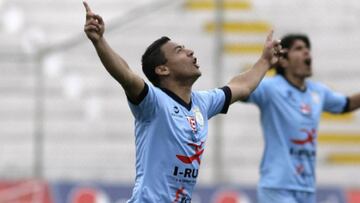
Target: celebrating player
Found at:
x=171, y=120
x=291, y=107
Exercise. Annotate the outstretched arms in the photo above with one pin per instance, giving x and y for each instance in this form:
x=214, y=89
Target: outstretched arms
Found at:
x=114, y=64
x=242, y=85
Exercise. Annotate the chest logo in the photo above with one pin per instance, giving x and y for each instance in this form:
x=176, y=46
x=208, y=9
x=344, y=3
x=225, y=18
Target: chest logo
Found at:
x=176, y=109
x=309, y=138
x=192, y=122
x=198, y=116
x=196, y=157
x=315, y=97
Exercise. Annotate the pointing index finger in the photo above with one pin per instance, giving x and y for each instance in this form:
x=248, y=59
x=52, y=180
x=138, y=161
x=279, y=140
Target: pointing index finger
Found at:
x=87, y=8
x=270, y=35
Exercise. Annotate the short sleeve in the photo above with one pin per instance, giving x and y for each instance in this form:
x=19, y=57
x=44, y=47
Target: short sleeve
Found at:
x=334, y=102
x=216, y=101
x=145, y=107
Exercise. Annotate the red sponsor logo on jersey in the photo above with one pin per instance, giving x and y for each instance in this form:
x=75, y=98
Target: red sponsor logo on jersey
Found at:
x=309, y=138
x=180, y=192
x=196, y=157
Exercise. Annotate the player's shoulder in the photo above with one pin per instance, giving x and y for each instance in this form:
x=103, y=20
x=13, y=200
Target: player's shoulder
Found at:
x=151, y=86
x=271, y=81
x=155, y=90
x=158, y=95
x=203, y=94
x=315, y=85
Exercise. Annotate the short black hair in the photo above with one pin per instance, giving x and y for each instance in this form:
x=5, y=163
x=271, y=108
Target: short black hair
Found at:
x=152, y=58
x=286, y=43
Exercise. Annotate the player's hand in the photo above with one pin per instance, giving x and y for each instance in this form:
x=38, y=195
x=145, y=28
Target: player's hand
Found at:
x=272, y=49
x=94, y=25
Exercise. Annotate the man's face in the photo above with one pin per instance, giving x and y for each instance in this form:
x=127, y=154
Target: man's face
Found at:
x=298, y=62
x=181, y=62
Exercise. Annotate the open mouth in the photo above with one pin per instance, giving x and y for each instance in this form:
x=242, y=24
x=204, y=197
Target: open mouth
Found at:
x=308, y=61
x=195, y=63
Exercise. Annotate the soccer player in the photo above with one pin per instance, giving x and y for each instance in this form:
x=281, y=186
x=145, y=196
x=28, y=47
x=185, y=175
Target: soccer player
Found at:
x=171, y=120
x=291, y=107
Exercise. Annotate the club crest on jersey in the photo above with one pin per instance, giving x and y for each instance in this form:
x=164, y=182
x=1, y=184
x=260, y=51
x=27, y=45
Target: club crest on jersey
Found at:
x=305, y=109
x=315, y=97
x=198, y=116
x=192, y=122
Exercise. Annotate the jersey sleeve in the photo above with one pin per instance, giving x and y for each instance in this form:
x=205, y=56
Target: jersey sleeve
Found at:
x=216, y=101
x=334, y=102
x=145, y=107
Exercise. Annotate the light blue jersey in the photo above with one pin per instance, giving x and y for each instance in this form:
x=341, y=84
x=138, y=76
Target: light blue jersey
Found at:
x=290, y=119
x=170, y=140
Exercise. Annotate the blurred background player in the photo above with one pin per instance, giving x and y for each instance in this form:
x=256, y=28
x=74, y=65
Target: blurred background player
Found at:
x=171, y=120
x=291, y=107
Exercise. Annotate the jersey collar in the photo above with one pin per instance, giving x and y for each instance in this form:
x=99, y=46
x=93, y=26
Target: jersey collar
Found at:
x=177, y=99
x=296, y=87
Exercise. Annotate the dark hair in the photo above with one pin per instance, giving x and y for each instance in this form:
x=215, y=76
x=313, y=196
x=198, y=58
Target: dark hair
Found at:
x=286, y=43
x=152, y=58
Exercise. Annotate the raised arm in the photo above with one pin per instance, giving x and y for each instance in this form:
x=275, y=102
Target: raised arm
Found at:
x=242, y=85
x=114, y=64
x=354, y=102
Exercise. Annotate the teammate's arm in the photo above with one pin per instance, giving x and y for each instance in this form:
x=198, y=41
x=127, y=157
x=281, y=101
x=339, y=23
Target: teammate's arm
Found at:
x=242, y=85
x=114, y=64
x=354, y=102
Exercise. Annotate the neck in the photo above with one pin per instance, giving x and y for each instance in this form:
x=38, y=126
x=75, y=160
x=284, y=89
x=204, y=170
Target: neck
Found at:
x=181, y=90
x=297, y=81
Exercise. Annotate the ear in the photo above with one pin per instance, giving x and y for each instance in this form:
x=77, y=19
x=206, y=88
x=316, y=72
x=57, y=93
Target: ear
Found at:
x=162, y=70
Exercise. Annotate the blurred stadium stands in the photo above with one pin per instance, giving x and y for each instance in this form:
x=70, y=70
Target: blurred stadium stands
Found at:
x=87, y=128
